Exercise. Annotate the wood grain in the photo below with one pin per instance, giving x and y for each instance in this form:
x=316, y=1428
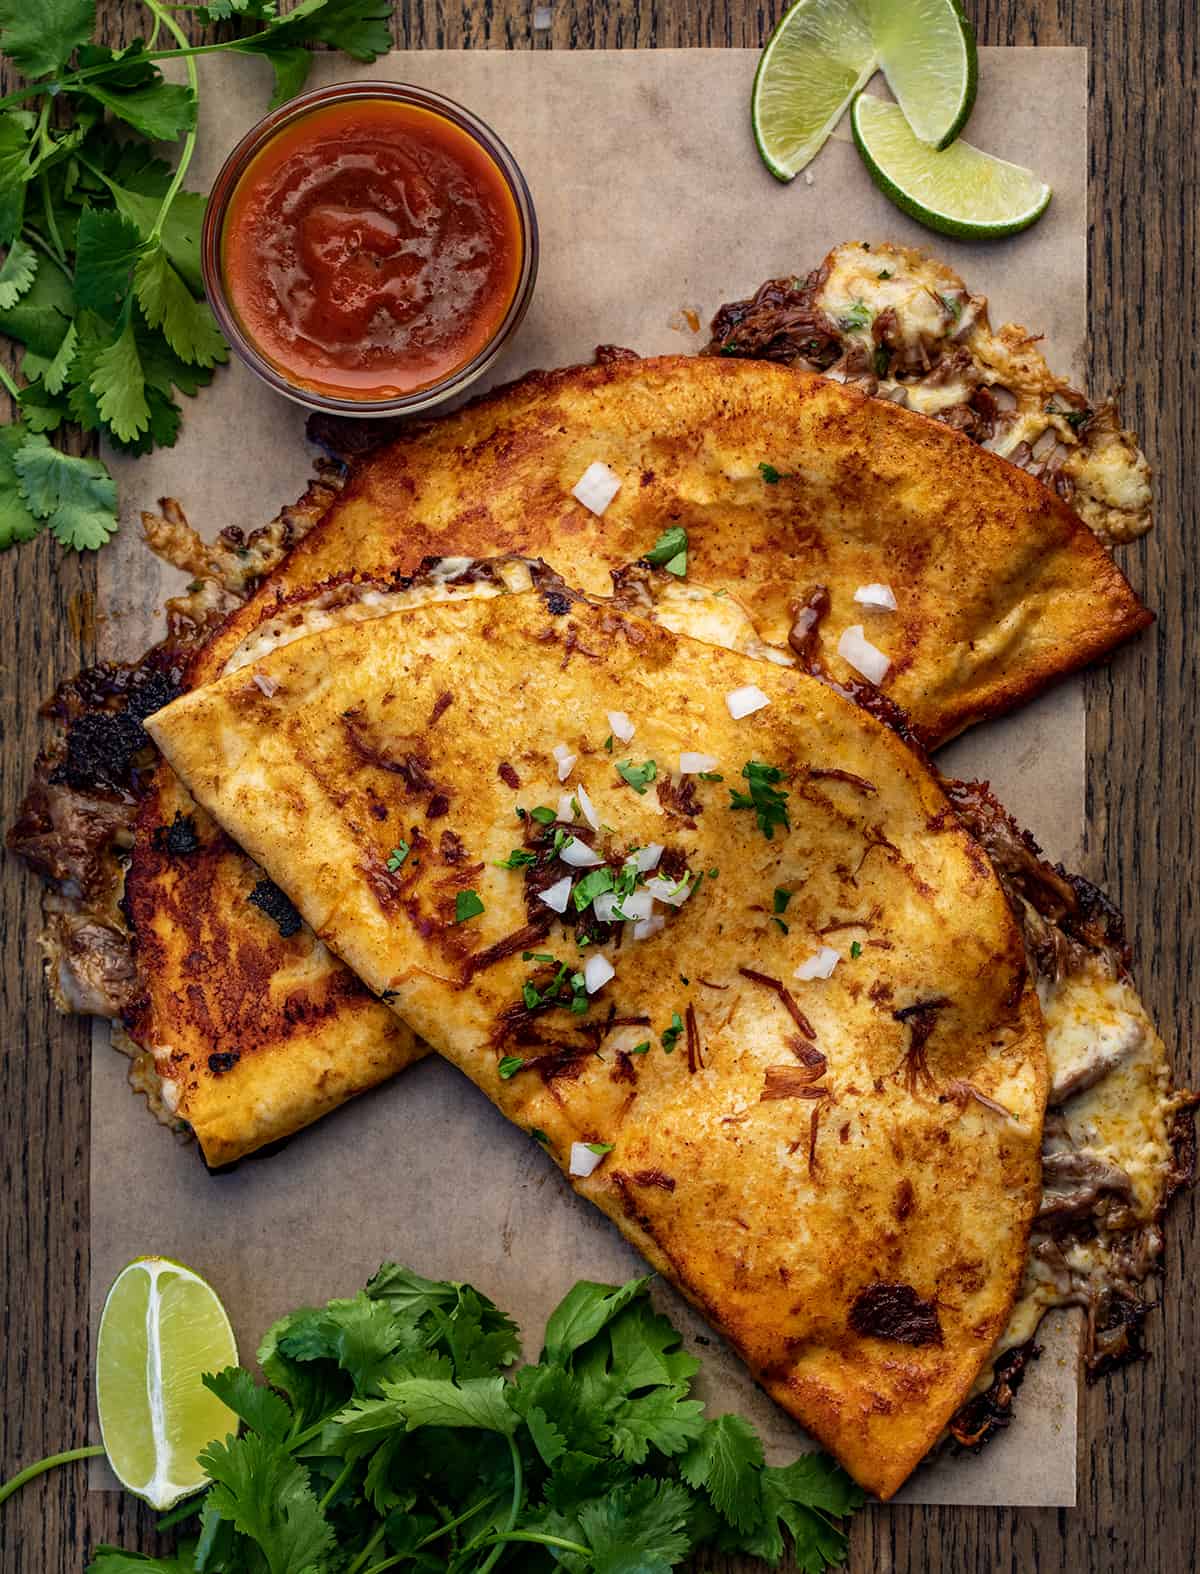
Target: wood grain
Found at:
x=1139, y=1500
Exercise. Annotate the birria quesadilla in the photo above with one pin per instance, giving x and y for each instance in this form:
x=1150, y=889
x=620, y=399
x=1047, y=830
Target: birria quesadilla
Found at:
x=779, y=1025
x=793, y=494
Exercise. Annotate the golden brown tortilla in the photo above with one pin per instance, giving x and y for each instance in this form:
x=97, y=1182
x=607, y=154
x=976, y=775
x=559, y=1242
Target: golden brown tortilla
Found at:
x=839, y=1172
x=1000, y=589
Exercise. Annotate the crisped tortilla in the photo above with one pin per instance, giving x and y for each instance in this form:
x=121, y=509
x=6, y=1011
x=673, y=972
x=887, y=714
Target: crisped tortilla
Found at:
x=839, y=1171
x=1000, y=589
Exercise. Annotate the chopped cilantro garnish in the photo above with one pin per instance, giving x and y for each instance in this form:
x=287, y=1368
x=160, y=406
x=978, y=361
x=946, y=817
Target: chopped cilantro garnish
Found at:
x=466, y=905
x=639, y=777
x=782, y=898
x=539, y=1135
x=670, y=551
x=767, y=800
x=885, y=274
x=671, y=1035
x=882, y=360
x=509, y=1066
x=543, y=816
x=397, y=856
x=713, y=872
x=599, y=1147
x=855, y=948
x=517, y=859
x=952, y=306
x=781, y=924
x=730, y=347
x=640, y=1049
x=856, y=315
x=771, y=475
x=608, y=744
x=711, y=776
x=590, y=887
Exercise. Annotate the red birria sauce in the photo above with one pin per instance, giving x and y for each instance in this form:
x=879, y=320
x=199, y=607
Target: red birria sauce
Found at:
x=371, y=249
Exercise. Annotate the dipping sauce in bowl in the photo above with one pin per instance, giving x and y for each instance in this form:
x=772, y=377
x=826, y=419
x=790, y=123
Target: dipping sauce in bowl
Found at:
x=370, y=248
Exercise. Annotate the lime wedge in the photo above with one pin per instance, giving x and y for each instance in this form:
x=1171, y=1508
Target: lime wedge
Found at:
x=927, y=51
x=824, y=51
x=815, y=61
x=161, y=1328
x=961, y=191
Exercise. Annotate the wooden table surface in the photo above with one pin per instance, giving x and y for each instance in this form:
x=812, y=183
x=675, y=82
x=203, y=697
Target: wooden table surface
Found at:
x=1139, y=1502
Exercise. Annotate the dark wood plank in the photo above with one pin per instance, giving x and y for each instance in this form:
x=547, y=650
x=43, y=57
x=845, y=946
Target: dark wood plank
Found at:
x=1138, y=1499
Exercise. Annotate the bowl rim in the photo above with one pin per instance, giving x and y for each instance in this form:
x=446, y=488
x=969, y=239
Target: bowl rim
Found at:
x=234, y=167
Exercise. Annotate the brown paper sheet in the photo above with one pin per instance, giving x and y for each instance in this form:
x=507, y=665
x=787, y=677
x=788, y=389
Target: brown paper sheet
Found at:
x=651, y=199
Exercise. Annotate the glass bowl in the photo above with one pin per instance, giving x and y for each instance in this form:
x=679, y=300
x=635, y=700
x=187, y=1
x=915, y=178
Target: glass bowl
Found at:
x=236, y=165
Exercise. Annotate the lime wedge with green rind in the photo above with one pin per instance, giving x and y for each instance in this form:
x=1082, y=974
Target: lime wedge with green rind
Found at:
x=927, y=51
x=960, y=191
x=823, y=53
x=815, y=61
x=161, y=1329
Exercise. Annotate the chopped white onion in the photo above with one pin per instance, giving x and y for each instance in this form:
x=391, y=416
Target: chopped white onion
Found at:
x=862, y=655
x=596, y=487
x=820, y=964
x=620, y=725
x=876, y=596
x=583, y=1160
x=597, y=971
x=692, y=764
x=266, y=685
x=674, y=892
x=638, y=904
x=742, y=702
x=646, y=858
x=578, y=854
x=605, y=907
x=557, y=896
x=565, y=760
x=645, y=927
x=586, y=807
x=568, y=811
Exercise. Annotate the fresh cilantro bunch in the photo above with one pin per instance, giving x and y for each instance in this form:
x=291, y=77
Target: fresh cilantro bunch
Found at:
x=100, y=281
x=391, y=1437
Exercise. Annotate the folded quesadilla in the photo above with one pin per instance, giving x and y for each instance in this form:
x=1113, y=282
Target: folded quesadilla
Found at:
x=794, y=495
x=775, y=1021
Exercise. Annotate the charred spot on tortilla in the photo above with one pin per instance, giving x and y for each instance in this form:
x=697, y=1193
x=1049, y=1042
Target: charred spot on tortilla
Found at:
x=895, y=1311
x=278, y=907
x=223, y=1060
x=179, y=838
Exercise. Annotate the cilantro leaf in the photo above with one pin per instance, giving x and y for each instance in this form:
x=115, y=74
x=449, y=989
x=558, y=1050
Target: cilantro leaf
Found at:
x=669, y=547
x=119, y=386
x=187, y=324
x=107, y=248
x=639, y=777
x=41, y=317
x=478, y=1403
x=509, y=1066
x=467, y=905
x=262, y=1410
x=647, y=1349
x=408, y=1293
x=159, y=110
x=40, y=38
x=801, y=1496
x=583, y=1312
x=266, y=1495
x=180, y=235
x=77, y=497
x=17, y=521
x=111, y=1560
x=765, y=797
x=638, y=1529
x=42, y=411
x=57, y=373
x=360, y=28
x=17, y=273
x=593, y=884
x=726, y=1460
x=665, y=1417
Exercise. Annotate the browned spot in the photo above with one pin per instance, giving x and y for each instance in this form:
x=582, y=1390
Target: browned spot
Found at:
x=880, y=992
x=895, y=1311
x=439, y=805
x=508, y=775
x=451, y=847
x=654, y=1177
x=904, y=1200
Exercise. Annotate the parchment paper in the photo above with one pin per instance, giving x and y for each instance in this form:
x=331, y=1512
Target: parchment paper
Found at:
x=651, y=200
